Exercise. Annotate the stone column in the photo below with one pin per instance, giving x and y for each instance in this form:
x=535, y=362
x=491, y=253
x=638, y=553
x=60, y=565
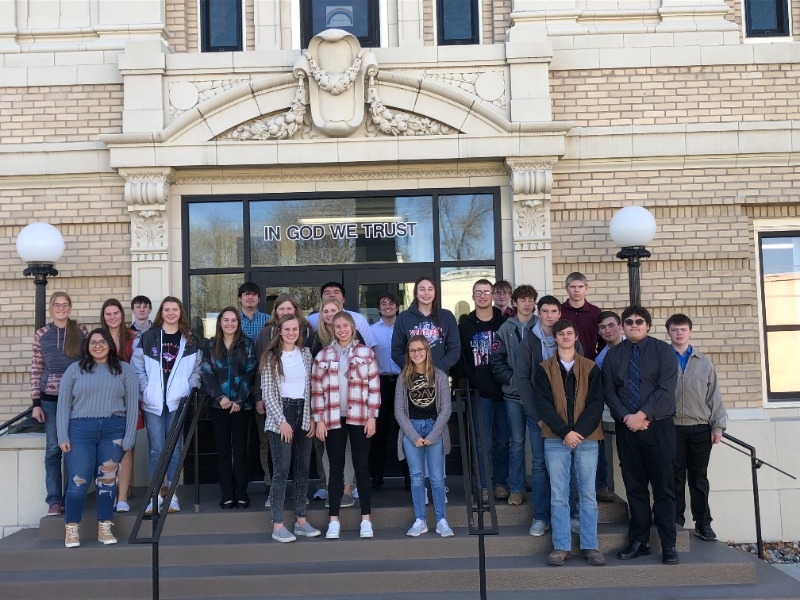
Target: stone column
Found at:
x=531, y=184
x=147, y=194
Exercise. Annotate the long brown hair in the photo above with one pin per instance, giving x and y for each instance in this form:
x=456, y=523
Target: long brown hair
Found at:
x=124, y=332
x=409, y=372
x=325, y=336
x=73, y=347
x=183, y=322
x=219, y=349
x=271, y=358
x=434, y=305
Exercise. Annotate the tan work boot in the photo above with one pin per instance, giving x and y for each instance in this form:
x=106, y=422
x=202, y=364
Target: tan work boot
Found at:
x=71, y=537
x=104, y=535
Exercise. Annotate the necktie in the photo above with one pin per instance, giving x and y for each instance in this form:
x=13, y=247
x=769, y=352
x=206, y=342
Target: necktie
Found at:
x=634, y=376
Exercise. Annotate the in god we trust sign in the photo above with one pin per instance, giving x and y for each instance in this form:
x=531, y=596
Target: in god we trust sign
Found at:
x=340, y=231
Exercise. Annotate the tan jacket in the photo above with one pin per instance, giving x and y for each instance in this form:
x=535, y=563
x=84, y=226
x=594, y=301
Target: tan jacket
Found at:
x=698, y=400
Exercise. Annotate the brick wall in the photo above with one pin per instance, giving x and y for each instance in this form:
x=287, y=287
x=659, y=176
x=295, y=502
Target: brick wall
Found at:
x=96, y=265
x=74, y=113
x=176, y=24
x=666, y=95
x=703, y=261
x=428, y=34
x=501, y=21
x=249, y=25
x=192, y=26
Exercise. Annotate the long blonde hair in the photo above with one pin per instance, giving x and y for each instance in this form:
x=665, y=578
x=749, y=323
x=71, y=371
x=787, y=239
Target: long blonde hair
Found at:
x=73, y=346
x=409, y=372
x=271, y=358
x=325, y=336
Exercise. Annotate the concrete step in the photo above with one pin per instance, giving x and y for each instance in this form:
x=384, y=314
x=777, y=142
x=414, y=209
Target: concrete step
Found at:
x=371, y=578
x=26, y=548
x=392, y=509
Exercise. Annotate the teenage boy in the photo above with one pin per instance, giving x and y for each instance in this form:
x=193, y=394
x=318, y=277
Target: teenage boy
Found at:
x=569, y=401
x=700, y=419
x=639, y=378
x=537, y=347
x=609, y=326
x=515, y=331
x=383, y=330
x=253, y=320
x=335, y=290
x=582, y=314
x=140, y=309
x=478, y=341
x=501, y=292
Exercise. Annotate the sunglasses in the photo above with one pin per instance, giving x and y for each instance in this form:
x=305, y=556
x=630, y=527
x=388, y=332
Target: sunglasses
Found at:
x=630, y=322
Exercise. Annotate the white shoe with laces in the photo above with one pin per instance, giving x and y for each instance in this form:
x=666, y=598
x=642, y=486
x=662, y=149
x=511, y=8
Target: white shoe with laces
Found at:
x=418, y=528
x=443, y=529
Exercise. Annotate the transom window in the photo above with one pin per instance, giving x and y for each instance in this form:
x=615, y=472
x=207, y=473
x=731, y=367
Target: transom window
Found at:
x=457, y=22
x=358, y=17
x=780, y=298
x=766, y=18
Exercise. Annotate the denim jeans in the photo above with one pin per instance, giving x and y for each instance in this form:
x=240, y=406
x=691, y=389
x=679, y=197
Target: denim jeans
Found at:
x=540, y=479
x=53, y=479
x=158, y=427
x=230, y=437
x=282, y=458
x=516, y=447
x=600, y=480
x=495, y=426
x=417, y=458
x=560, y=460
x=95, y=453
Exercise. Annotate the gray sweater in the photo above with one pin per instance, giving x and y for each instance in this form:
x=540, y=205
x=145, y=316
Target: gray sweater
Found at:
x=443, y=411
x=98, y=394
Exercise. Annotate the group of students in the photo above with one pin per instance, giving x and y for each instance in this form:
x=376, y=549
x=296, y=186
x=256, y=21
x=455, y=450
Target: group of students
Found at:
x=552, y=374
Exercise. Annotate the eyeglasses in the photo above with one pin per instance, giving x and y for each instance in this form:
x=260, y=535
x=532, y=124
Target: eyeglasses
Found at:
x=97, y=343
x=416, y=350
x=482, y=293
x=60, y=305
x=630, y=322
x=501, y=293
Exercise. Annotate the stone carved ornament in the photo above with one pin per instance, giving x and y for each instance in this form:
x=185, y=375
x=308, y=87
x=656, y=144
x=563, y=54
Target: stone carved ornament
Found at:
x=147, y=193
x=531, y=219
x=333, y=101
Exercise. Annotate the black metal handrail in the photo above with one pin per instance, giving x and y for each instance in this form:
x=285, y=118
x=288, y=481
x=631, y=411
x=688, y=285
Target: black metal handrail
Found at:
x=755, y=464
x=472, y=481
x=4, y=428
x=192, y=401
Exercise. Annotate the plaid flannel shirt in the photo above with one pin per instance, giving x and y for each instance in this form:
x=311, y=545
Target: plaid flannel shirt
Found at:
x=271, y=390
x=364, y=386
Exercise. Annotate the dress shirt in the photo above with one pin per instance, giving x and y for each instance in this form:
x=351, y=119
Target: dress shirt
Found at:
x=383, y=348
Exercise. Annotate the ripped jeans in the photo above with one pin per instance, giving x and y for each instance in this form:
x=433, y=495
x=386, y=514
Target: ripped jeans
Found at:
x=95, y=454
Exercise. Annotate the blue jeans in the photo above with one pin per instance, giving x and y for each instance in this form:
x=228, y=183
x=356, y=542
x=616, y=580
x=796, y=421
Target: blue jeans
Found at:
x=417, y=458
x=53, y=480
x=495, y=426
x=516, y=447
x=95, y=453
x=540, y=479
x=158, y=427
x=560, y=460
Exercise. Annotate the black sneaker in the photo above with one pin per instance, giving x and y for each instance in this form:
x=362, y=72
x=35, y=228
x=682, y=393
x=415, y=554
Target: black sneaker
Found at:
x=704, y=532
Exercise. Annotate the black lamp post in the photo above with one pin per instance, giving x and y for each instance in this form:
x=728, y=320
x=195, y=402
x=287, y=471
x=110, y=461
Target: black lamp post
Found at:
x=40, y=245
x=632, y=228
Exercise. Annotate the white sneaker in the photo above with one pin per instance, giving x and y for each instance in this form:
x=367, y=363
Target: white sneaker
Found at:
x=538, y=528
x=122, y=506
x=443, y=529
x=173, y=505
x=148, y=512
x=366, y=529
x=418, y=528
x=333, y=530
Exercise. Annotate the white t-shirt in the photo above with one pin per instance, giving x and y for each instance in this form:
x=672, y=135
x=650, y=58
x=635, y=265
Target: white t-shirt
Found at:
x=293, y=384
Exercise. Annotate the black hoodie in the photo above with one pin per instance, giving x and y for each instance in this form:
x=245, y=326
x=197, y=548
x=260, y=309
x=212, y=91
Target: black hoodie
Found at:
x=478, y=342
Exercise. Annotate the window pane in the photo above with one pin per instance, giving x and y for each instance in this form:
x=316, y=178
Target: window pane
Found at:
x=764, y=14
x=209, y=294
x=457, y=20
x=457, y=285
x=781, y=260
x=466, y=225
x=223, y=23
x=368, y=297
x=341, y=231
x=783, y=348
x=307, y=297
x=351, y=16
x=216, y=236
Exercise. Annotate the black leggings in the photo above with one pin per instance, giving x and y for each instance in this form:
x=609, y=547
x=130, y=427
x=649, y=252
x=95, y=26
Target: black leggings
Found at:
x=336, y=444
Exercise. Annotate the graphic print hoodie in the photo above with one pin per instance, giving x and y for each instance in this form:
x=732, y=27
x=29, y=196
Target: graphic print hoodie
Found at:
x=478, y=341
x=442, y=337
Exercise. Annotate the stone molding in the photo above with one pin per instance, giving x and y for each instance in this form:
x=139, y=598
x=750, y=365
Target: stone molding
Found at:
x=147, y=193
x=531, y=177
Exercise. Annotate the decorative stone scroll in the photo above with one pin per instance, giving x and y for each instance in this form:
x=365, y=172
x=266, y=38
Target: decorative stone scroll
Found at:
x=531, y=183
x=147, y=194
x=383, y=120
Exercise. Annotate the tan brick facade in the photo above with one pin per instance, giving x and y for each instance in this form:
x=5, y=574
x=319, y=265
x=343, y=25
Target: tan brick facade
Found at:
x=667, y=95
x=176, y=23
x=76, y=113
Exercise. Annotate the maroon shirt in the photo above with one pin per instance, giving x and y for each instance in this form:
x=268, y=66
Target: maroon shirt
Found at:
x=585, y=321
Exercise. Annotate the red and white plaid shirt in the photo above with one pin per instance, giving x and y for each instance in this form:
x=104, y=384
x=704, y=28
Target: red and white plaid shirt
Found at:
x=363, y=386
